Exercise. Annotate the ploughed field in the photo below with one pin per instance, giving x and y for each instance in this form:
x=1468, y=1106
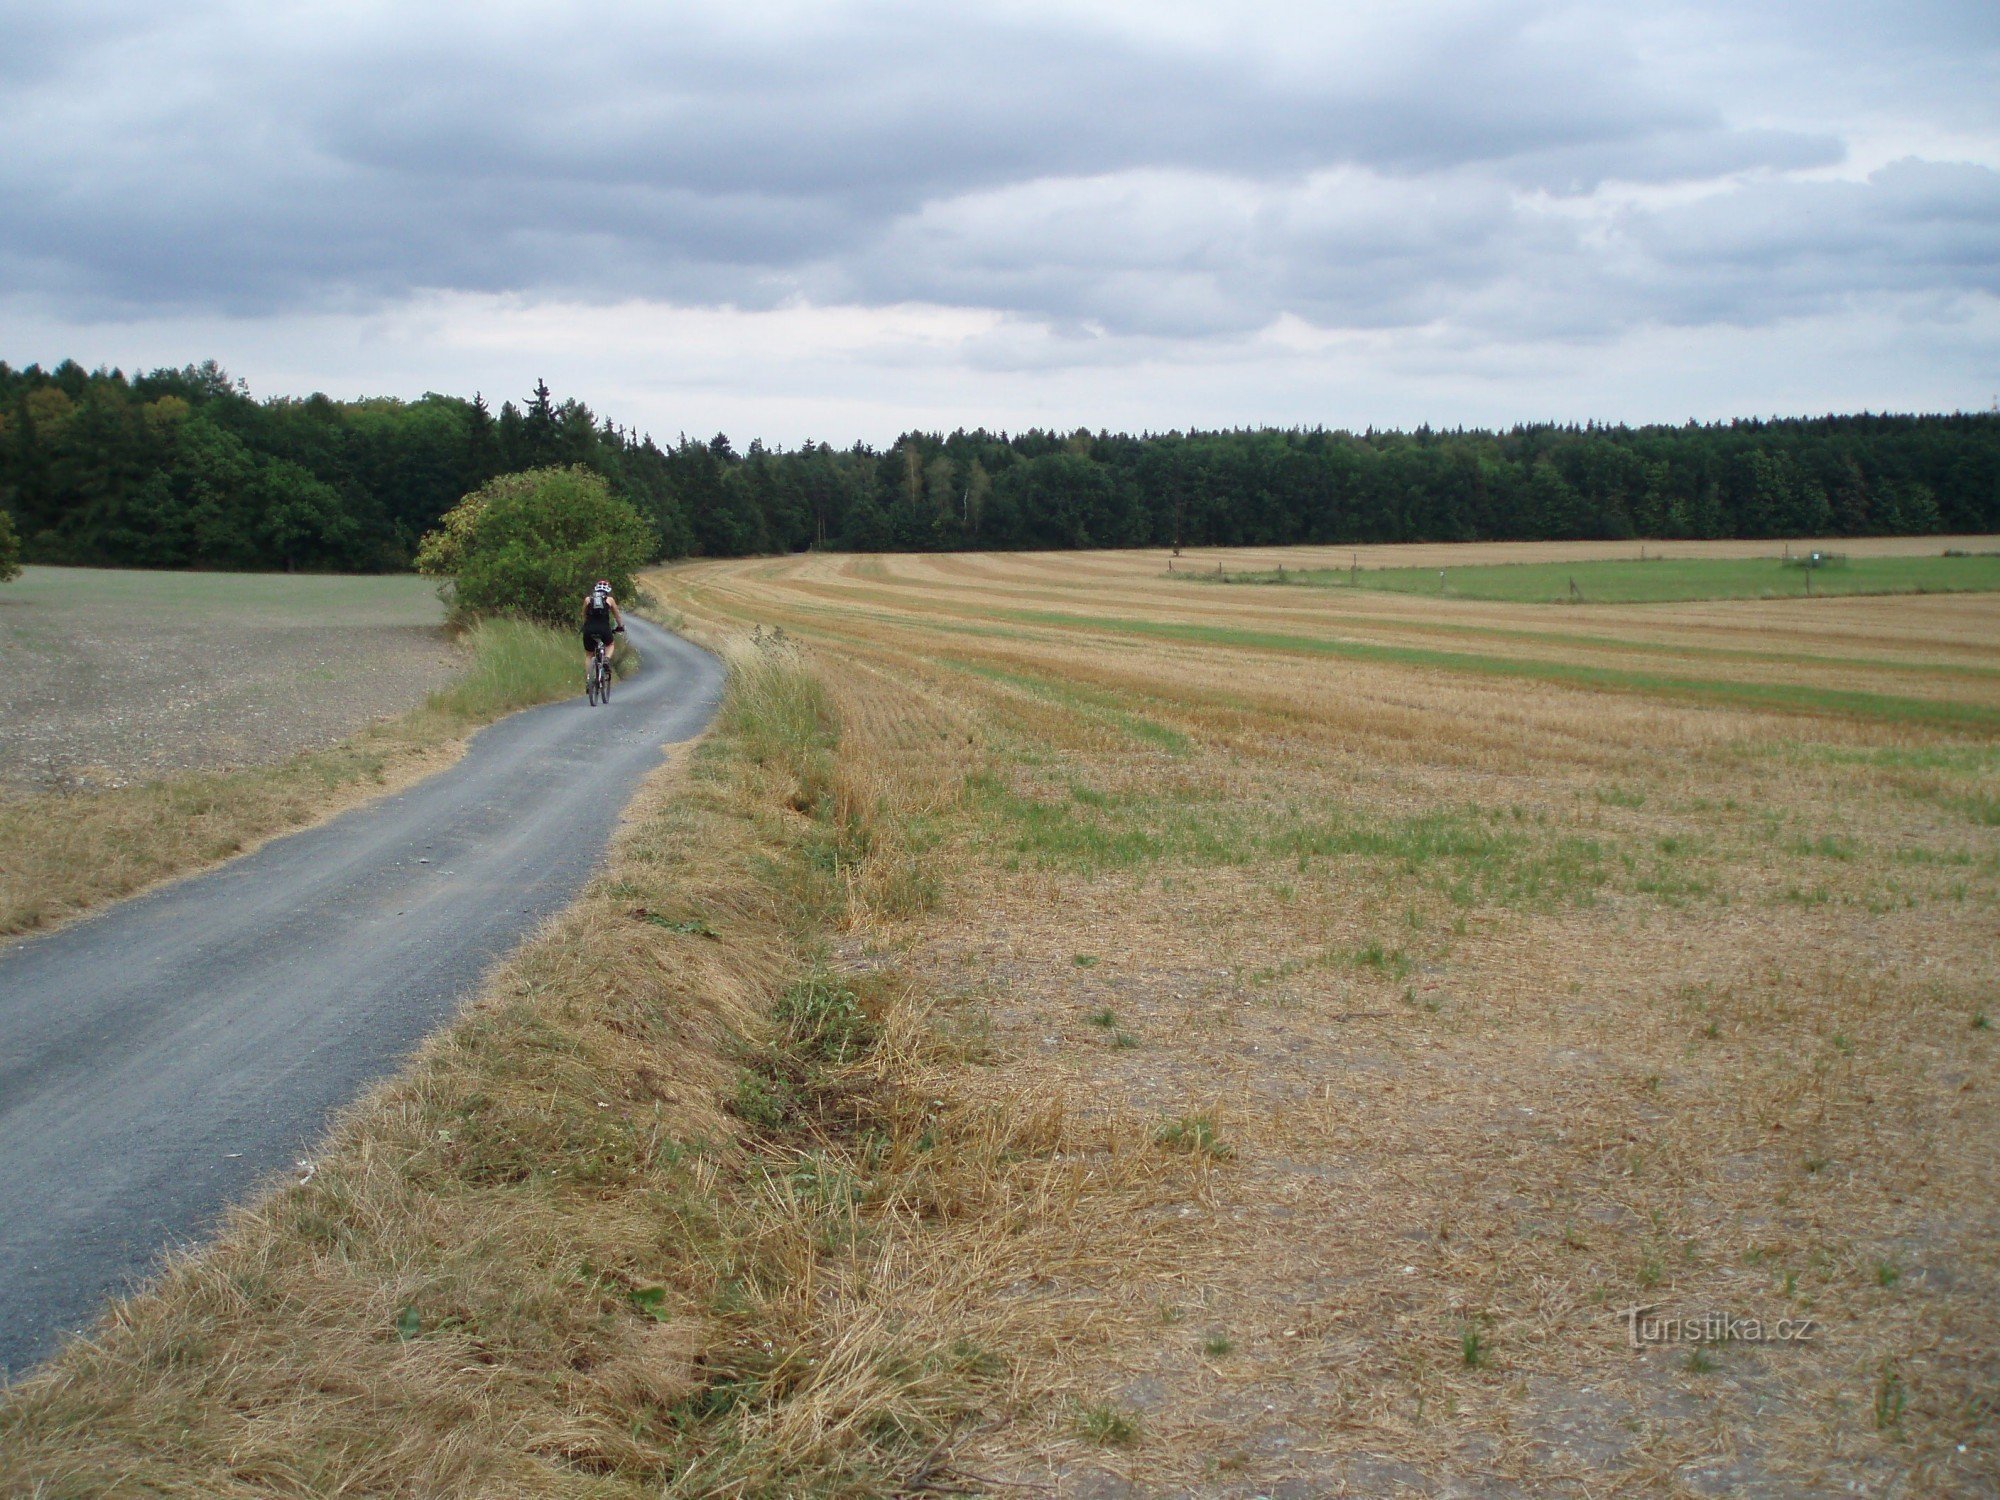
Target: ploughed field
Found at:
x=113, y=677
x=1493, y=969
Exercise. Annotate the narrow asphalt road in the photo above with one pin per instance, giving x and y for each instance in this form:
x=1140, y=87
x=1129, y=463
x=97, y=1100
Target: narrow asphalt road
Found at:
x=157, y=1060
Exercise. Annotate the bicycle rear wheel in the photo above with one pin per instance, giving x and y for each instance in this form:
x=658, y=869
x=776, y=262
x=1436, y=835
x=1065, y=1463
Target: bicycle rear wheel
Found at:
x=590, y=682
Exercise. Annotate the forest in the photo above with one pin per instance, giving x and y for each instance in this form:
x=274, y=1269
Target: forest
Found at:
x=183, y=468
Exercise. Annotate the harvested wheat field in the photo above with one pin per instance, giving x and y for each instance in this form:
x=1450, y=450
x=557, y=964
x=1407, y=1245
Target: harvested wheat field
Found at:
x=1418, y=986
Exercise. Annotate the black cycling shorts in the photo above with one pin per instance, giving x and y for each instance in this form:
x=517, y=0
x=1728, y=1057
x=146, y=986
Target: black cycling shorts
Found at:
x=593, y=637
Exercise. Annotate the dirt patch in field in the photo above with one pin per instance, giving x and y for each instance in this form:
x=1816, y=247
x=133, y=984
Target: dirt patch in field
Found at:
x=106, y=680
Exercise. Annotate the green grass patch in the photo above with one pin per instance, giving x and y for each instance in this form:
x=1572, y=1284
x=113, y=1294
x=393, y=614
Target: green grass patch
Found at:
x=1195, y=1134
x=781, y=714
x=1094, y=704
x=1106, y=1426
x=1095, y=831
x=1393, y=963
x=1949, y=760
x=1655, y=580
x=514, y=664
x=1962, y=779
x=1469, y=854
x=824, y=1020
x=1472, y=1349
x=1891, y=1399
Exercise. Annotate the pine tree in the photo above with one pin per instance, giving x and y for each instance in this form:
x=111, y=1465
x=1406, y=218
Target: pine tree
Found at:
x=539, y=438
x=482, y=446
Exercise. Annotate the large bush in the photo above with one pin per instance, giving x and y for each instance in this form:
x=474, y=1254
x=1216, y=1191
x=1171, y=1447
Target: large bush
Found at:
x=531, y=544
x=10, y=549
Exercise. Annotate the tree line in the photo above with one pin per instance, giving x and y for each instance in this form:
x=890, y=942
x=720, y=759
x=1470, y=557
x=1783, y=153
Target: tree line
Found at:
x=183, y=468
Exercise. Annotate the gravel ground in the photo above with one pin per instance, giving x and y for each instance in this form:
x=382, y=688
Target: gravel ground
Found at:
x=112, y=677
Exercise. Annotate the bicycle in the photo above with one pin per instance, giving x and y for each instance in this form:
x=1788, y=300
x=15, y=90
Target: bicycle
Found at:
x=597, y=681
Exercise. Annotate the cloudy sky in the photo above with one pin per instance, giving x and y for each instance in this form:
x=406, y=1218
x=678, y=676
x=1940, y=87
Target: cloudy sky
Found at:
x=839, y=221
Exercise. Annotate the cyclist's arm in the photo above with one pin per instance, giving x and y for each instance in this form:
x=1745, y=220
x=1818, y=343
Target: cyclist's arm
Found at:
x=617, y=616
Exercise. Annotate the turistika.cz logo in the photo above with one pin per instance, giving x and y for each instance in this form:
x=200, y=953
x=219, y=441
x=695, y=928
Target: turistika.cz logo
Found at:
x=1646, y=1326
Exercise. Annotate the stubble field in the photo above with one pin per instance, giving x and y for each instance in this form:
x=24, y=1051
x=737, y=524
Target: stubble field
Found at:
x=1474, y=973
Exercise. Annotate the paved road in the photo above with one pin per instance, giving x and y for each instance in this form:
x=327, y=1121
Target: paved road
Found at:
x=157, y=1060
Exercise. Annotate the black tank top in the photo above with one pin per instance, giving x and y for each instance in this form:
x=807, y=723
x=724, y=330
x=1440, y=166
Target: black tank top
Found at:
x=596, y=616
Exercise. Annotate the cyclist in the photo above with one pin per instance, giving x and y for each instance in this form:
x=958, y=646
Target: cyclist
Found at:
x=601, y=622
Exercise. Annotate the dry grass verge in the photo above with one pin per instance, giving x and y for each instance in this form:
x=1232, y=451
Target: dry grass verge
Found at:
x=65, y=853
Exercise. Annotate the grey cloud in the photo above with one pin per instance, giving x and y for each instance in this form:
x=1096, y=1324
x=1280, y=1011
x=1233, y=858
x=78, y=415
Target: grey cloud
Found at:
x=1754, y=254
x=40, y=38
x=896, y=108
x=1359, y=250
x=1176, y=255
x=1672, y=156
x=1104, y=182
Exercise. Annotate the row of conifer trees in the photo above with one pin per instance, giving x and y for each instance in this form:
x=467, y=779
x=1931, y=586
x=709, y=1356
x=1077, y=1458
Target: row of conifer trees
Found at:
x=183, y=468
